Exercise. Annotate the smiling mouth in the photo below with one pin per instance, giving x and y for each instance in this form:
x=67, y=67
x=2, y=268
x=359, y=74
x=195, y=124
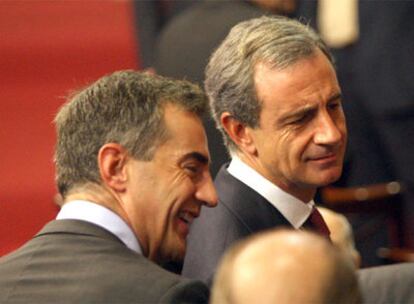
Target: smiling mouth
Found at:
x=329, y=156
x=187, y=217
x=327, y=159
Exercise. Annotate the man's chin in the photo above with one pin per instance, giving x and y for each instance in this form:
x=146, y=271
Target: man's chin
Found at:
x=322, y=178
x=329, y=178
x=173, y=260
x=176, y=253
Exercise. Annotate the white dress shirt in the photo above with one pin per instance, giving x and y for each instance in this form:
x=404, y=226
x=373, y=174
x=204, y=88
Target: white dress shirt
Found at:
x=100, y=216
x=293, y=209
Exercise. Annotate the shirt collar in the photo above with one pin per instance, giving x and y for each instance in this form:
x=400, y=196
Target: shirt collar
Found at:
x=100, y=216
x=293, y=209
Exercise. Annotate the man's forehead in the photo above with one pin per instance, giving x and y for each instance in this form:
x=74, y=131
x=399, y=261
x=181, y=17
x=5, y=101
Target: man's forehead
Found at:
x=186, y=134
x=293, y=86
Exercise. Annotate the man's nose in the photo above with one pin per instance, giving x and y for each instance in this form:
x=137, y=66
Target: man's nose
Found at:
x=206, y=192
x=328, y=130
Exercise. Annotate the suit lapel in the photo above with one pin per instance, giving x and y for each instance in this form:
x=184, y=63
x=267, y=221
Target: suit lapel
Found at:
x=246, y=204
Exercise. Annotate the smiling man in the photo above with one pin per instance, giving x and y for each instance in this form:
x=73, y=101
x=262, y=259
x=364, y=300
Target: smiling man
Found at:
x=133, y=169
x=276, y=99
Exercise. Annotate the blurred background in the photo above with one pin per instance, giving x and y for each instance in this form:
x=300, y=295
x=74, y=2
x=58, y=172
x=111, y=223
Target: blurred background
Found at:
x=49, y=48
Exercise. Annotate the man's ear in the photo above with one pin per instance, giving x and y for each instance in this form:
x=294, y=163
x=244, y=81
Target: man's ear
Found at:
x=112, y=158
x=238, y=132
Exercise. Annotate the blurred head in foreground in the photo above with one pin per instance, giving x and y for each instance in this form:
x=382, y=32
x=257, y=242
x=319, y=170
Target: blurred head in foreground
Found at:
x=285, y=266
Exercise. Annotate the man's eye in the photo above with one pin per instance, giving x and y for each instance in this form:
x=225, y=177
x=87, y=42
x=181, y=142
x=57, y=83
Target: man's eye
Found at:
x=192, y=169
x=335, y=105
x=300, y=119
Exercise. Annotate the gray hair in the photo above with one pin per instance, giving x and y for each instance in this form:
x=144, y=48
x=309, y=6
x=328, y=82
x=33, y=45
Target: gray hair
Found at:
x=126, y=107
x=277, y=41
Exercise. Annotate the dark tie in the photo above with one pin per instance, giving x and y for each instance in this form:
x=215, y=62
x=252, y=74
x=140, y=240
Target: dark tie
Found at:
x=316, y=223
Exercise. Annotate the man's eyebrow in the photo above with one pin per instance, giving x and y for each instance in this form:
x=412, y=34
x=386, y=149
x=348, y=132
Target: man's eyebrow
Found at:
x=335, y=97
x=297, y=113
x=308, y=108
x=197, y=156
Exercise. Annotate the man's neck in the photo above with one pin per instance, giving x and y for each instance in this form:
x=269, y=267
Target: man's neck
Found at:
x=99, y=195
x=105, y=197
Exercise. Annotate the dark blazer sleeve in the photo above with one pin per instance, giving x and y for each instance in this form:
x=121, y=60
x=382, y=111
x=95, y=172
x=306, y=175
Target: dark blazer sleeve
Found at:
x=187, y=292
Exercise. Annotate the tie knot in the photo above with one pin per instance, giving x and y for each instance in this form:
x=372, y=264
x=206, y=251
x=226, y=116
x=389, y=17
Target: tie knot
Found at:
x=316, y=223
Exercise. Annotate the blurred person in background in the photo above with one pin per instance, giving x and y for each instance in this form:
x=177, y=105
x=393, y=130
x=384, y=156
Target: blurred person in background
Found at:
x=341, y=233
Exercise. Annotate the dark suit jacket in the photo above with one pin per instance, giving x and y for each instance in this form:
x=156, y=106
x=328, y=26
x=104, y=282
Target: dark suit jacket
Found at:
x=240, y=212
x=387, y=284
x=78, y=262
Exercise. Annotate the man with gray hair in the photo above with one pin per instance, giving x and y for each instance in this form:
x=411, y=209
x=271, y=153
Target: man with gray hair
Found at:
x=276, y=99
x=132, y=169
x=308, y=269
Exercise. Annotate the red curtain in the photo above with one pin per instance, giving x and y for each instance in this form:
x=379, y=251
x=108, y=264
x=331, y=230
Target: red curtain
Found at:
x=47, y=49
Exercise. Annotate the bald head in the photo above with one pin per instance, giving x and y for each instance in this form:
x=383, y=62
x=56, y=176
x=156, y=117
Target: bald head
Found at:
x=285, y=266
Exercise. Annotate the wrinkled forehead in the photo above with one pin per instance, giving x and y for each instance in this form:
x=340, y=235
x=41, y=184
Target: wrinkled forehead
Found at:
x=186, y=132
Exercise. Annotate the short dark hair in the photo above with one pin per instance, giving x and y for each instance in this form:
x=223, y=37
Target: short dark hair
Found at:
x=126, y=107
